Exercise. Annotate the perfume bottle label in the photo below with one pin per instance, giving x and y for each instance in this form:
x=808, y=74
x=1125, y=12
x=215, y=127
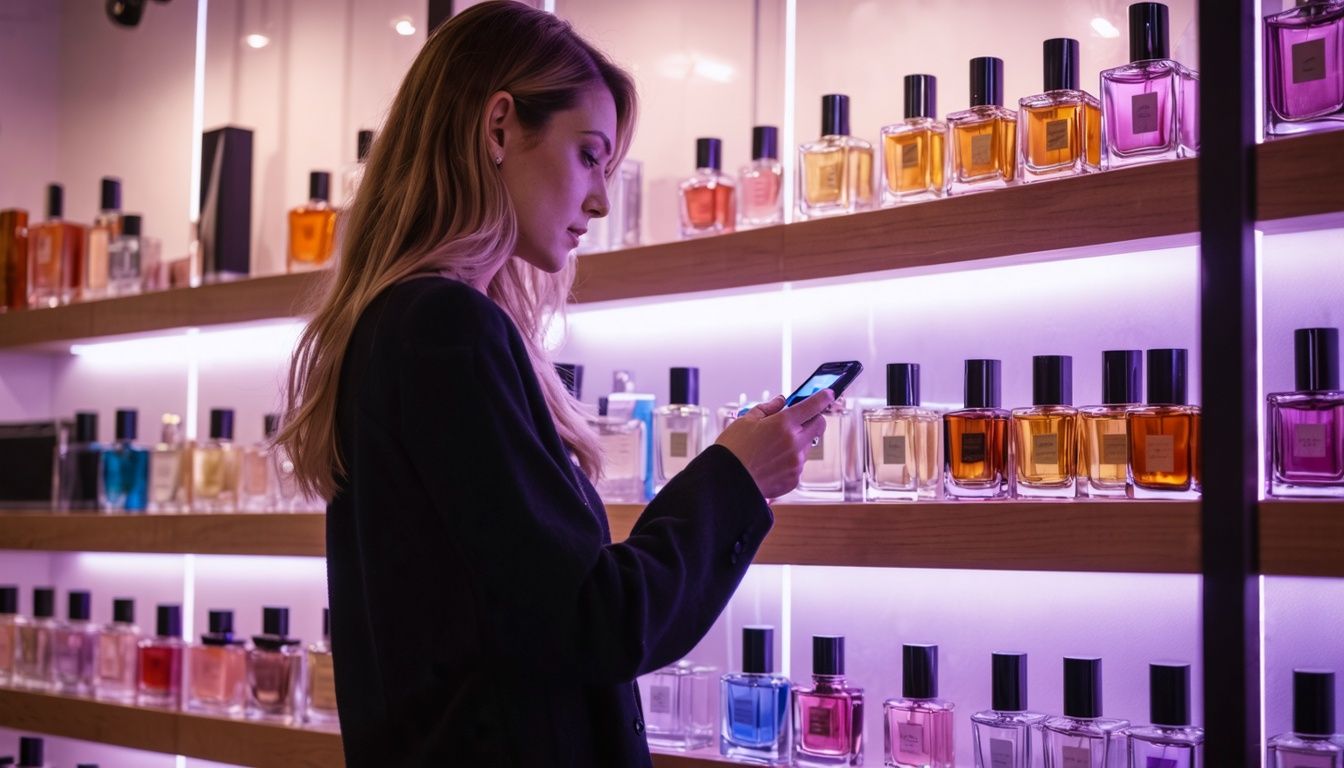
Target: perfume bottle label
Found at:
x=1143, y=108
x=1160, y=762
x=910, y=156
x=972, y=447
x=1309, y=441
x=1114, y=449
x=1045, y=449
x=911, y=736
x=817, y=452
x=744, y=710
x=1160, y=453
x=660, y=699
x=893, y=450
x=678, y=444
x=819, y=721
x=982, y=149
x=1001, y=754
x=1309, y=61
x=165, y=469
x=1300, y=760
x=1057, y=135
x=1076, y=757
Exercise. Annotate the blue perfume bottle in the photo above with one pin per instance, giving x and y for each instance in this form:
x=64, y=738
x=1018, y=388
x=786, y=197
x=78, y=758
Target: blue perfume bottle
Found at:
x=124, y=477
x=755, y=704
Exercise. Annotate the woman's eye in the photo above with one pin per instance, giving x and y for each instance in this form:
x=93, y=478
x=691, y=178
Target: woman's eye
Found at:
x=589, y=160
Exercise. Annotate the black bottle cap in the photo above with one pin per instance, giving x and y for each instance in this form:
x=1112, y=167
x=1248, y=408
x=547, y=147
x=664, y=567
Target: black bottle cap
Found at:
x=1317, y=354
x=685, y=386
x=1169, y=694
x=1147, y=31
x=326, y=622
x=110, y=196
x=1121, y=376
x=1166, y=377
x=986, y=81
x=6, y=760
x=86, y=427
x=1009, y=682
x=275, y=621
x=758, y=650
x=1052, y=380
x=78, y=605
x=221, y=622
x=921, y=96
x=982, y=383
x=221, y=423
x=86, y=765
x=828, y=655
x=271, y=424
x=169, y=621
x=1061, y=64
x=363, y=143
x=1313, y=702
x=55, y=201
x=571, y=375
x=709, y=153
x=126, y=423
x=765, y=142
x=319, y=185
x=123, y=610
x=903, y=384
x=602, y=404
x=9, y=599
x=131, y=224
x=44, y=602
x=1082, y=687
x=919, y=671
x=835, y=114
x=31, y=752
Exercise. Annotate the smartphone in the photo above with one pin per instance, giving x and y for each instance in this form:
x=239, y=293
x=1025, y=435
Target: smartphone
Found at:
x=833, y=376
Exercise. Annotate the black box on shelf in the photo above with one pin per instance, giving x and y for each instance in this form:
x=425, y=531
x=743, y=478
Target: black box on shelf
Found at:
x=28, y=453
x=225, y=233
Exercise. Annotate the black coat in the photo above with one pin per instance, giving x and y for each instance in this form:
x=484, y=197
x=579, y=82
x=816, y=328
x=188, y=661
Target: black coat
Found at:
x=480, y=613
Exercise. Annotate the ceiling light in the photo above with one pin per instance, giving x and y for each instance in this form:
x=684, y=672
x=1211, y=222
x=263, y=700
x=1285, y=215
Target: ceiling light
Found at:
x=257, y=40
x=404, y=26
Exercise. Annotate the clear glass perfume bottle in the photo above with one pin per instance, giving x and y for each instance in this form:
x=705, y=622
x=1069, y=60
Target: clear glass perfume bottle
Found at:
x=708, y=197
x=107, y=228
x=257, y=481
x=825, y=462
x=312, y=227
x=918, y=726
x=322, y=678
x=1104, y=470
x=80, y=465
x=33, y=651
x=160, y=661
x=620, y=228
x=1304, y=68
x=836, y=172
x=679, y=706
x=55, y=255
x=901, y=442
x=681, y=426
x=975, y=439
x=353, y=175
x=984, y=137
x=623, y=451
x=1163, y=448
x=75, y=642
x=754, y=704
x=124, y=474
x=1007, y=735
x=761, y=182
x=215, y=467
x=1060, y=129
x=118, y=654
x=9, y=631
x=1046, y=434
x=1150, y=106
x=275, y=670
x=217, y=669
x=1306, y=427
x=914, y=152
x=1171, y=741
x=625, y=403
x=125, y=258
x=828, y=715
x=1082, y=738
x=170, y=469
x=1313, y=742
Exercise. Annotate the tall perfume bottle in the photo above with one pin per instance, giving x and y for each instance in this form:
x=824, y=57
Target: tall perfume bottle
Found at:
x=1007, y=735
x=118, y=654
x=900, y=459
x=75, y=642
x=707, y=198
x=1046, y=434
x=13, y=259
x=275, y=670
x=170, y=469
x=984, y=137
x=1082, y=738
x=1313, y=742
x=55, y=255
x=353, y=175
x=1306, y=427
x=625, y=402
x=975, y=439
x=825, y=462
x=681, y=426
x=918, y=726
x=914, y=152
x=1151, y=105
x=107, y=227
x=215, y=467
x=1060, y=129
x=828, y=715
x=160, y=661
x=1105, y=432
x=761, y=182
x=217, y=669
x=1163, y=435
x=678, y=706
x=754, y=704
x=33, y=651
x=9, y=631
x=623, y=454
x=1304, y=68
x=835, y=173
x=126, y=258
x=124, y=471
x=257, y=490
x=1171, y=741
x=81, y=463
x=322, y=678
x=312, y=226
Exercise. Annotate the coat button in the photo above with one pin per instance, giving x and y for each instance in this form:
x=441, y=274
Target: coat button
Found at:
x=737, y=547
x=639, y=725
x=734, y=559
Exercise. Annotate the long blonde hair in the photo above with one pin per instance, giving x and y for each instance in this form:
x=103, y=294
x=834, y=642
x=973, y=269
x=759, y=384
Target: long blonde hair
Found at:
x=431, y=202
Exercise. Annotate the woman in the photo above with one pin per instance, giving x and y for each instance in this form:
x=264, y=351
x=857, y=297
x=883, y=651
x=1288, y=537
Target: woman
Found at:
x=480, y=613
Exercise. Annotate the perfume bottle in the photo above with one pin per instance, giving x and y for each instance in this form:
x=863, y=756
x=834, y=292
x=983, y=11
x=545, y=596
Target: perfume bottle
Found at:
x=1046, y=434
x=1151, y=105
x=914, y=152
x=1313, y=742
x=1061, y=128
x=1105, y=430
x=825, y=462
x=1007, y=735
x=75, y=642
x=620, y=227
x=32, y=753
x=160, y=661
x=762, y=181
x=680, y=426
x=55, y=255
x=625, y=402
x=107, y=227
x=1304, y=68
x=322, y=678
x=1082, y=738
x=9, y=631
x=257, y=470
x=754, y=704
x=828, y=716
x=623, y=453
x=835, y=173
x=215, y=466
x=118, y=654
x=274, y=670
x=900, y=458
x=80, y=464
x=678, y=706
x=707, y=201
x=1163, y=448
x=984, y=137
x=13, y=259
x=124, y=472
x=312, y=226
x=918, y=726
x=1171, y=741
x=1306, y=427
x=353, y=175
x=975, y=439
x=33, y=651
x=126, y=258
x=170, y=469
x=217, y=669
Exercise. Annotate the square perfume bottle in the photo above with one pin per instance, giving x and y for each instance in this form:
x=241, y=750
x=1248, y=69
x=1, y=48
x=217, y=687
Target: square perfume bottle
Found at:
x=1046, y=434
x=128, y=256
x=275, y=670
x=1008, y=734
x=1170, y=741
x=984, y=137
x=160, y=661
x=170, y=477
x=623, y=455
x=760, y=183
x=1305, y=428
x=1060, y=129
x=118, y=654
x=754, y=704
x=828, y=715
x=625, y=403
x=312, y=227
x=1082, y=737
x=124, y=474
x=106, y=230
x=620, y=228
x=918, y=726
x=257, y=469
x=835, y=173
x=914, y=152
x=75, y=643
x=708, y=198
x=1164, y=434
x=321, y=681
x=681, y=427
x=9, y=631
x=34, y=641
x=1150, y=106
x=215, y=467
x=679, y=706
x=80, y=469
x=1313, y=742
x=901, y=442
x=55, y=255
x=1304, y=68
x=1104, y=464
x=217, y=669
x=824, y=463
x=975, y=439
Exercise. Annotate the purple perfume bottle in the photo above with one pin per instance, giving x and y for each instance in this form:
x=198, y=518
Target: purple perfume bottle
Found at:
x=918, y=726
x=1151, y=105
x=828, y=716
x=1304, y=68
x=1171, y=741
x=1306, y=427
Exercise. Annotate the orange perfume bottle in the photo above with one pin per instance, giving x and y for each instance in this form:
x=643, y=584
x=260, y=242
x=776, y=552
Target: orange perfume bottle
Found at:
x=1164, y=435
x=103, y=235
x=707, y=197
x=1061, y=128
x=312, y=227
x=975, y=438
x=55, y=255
x=984, y=137
x=13, y=259
x=914, y=152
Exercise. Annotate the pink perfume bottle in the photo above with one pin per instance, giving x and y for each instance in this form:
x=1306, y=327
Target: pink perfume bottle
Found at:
x=217, y=669
x=1306, y=427
x=118, y=654
x=75, y=642
x=9, y=631
x=1304, y=68
x=33, y=650
x=1151, y=105
x=918, y=726
x=761, y=182
x=828, y=716
x=274, y=670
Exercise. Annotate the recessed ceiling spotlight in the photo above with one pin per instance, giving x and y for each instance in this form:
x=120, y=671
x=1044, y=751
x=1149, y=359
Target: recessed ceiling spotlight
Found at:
x=404, y=26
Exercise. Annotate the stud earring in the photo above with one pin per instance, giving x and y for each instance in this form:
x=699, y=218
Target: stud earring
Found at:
x=499, y=159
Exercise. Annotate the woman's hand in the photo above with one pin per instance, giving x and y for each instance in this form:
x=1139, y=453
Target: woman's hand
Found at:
x=771, y=441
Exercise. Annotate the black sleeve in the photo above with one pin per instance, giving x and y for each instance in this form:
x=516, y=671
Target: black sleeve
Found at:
x=558, y=599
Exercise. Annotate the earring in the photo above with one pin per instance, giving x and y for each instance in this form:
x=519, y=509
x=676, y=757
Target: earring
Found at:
x=499, y=159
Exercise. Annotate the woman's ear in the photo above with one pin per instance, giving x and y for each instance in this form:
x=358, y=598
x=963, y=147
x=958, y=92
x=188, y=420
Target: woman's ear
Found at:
x=500, y=123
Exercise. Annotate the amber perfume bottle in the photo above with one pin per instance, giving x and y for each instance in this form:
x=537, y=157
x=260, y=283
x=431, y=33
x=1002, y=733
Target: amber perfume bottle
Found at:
x=1060, y=129
x=312, y=227
x=118, y=654
x=1046, y=434
x=55, y=255
x=975, y=439
x=900, y=460
x=1104, y=470
x=1163, y=435
x=835, y=173
x=914, y=152
x=104, y=232
x=1305, y=428
x=762, y=181
x=707, y=198
x=1151, y=105
x=984, y=137
x=215, y=467
x=274, y=670
x=13, y=259
x=217, y=669
x=322, y=678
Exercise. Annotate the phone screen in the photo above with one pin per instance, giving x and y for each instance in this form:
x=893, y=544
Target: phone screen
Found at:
x=833, y=376
x=812, y=386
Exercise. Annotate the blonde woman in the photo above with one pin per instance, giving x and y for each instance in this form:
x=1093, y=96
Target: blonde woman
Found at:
x=480, y=613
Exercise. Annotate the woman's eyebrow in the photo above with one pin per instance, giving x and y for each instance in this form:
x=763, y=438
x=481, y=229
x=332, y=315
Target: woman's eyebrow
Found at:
x=606, y=141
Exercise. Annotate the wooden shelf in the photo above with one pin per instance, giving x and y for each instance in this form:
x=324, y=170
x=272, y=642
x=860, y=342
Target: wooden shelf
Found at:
x=1302, y=537
x=302, y=534
x=700, y=758
x=1299, y=176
